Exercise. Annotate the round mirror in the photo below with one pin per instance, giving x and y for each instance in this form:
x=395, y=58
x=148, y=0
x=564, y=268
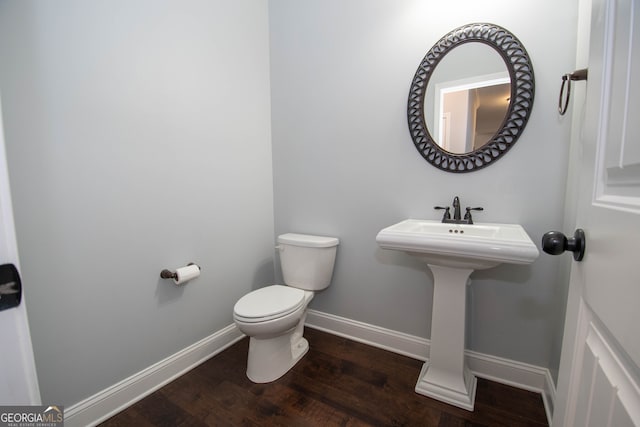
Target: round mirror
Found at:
x=470, y=98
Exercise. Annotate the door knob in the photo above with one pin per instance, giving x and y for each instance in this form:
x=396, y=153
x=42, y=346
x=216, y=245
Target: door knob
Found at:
x=555, y=243
x=10, y=287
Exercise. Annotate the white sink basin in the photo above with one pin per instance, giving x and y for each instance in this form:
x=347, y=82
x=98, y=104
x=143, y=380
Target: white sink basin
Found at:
x=475, y=246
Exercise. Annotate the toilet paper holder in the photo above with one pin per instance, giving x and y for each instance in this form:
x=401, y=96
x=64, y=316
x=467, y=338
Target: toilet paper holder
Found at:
x=168, y=274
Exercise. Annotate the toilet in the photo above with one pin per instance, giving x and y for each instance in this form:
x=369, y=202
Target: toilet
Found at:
x=273, y=317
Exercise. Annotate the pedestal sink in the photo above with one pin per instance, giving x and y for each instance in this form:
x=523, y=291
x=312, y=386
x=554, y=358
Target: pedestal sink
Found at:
x=453, y=252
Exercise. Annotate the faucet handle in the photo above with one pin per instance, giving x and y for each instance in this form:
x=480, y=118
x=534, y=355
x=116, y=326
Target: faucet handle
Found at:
x=447, y=214
x=467, y=215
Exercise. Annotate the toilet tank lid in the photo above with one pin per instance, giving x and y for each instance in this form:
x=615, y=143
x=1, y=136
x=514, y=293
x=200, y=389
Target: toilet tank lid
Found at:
x=308, y=240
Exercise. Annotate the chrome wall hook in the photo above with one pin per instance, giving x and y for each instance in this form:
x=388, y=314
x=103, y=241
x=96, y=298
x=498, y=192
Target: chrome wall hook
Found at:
x=563, y=100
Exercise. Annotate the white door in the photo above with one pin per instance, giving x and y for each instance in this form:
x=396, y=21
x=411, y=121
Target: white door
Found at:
x=18, y=381
x=600, y=366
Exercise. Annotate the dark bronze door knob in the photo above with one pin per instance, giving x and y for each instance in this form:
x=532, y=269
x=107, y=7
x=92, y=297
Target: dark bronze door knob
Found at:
x=555, y=243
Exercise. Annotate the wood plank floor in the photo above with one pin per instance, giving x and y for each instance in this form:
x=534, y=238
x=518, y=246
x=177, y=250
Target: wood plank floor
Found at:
x=338, y=383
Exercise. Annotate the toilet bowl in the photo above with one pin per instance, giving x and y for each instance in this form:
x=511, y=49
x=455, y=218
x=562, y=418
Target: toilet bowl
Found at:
x=275, y=329
x=273, y=317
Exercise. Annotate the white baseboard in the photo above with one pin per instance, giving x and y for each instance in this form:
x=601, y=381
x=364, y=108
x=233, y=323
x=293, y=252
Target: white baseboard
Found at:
x=510, y=372
x=105, y=404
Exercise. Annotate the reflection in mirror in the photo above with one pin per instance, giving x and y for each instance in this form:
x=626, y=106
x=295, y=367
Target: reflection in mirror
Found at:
x=467, y=98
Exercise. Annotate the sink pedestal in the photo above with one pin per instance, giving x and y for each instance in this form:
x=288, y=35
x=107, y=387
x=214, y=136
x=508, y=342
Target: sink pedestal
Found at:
x=445, y=376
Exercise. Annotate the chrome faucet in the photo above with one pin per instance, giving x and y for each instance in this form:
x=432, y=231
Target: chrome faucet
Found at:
x=457, y=217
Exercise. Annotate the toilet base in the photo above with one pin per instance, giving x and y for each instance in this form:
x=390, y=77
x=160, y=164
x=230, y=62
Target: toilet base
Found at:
x=271, y=358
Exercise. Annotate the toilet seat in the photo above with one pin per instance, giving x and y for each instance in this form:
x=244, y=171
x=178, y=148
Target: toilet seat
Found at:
x=270, y=302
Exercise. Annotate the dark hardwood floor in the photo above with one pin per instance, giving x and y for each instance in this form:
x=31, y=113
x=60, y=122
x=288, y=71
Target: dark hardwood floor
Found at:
x=338, y=383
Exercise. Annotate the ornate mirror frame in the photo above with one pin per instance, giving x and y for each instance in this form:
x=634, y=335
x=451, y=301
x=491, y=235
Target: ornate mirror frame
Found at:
x=522, y=93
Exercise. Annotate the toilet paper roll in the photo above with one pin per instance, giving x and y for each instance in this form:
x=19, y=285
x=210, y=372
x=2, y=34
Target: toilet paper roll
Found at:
x=184, y=274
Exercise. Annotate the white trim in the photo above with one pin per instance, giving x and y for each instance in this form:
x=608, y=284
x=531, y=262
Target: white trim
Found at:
x=386, y=339
x=103, y=405
x=505, y=371
x=97, y=408
x=516, y=374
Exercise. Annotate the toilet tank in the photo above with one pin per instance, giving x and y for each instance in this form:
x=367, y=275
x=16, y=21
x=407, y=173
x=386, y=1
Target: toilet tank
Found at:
x=306, y=260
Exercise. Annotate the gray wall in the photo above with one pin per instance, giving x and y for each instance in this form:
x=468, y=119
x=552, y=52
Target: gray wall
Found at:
x=345, y=165
x=138, y=138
